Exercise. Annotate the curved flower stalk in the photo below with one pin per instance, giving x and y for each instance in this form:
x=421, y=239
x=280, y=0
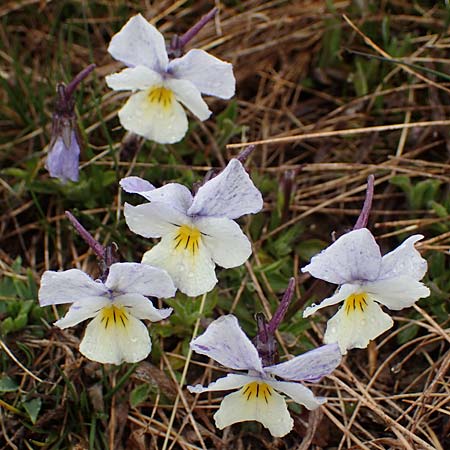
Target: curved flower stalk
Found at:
x=198, y=231
x=117, y=307
x=159, y=85
x=366, y=280
x=257, y=397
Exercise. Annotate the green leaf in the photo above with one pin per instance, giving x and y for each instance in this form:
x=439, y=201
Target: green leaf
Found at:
x=32, y=408
x=8, y=384
x=307, y=249
x=407, y=334
x=139, y=394
x=440, y=210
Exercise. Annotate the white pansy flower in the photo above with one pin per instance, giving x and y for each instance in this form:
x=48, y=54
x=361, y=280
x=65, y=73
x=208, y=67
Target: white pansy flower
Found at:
x=198, y=231
x=159, y=85
x=366, y=280
x=117, y=307
x=257, y=397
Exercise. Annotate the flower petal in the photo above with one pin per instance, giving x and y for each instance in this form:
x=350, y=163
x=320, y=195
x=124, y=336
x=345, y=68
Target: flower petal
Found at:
x=341, y=294
x=404, y=260
x=192, y=274
x=355, y=256
x=190, y=96
x=139, y=43
x=398, y=292
x=231, y=381
x=134, y=78
x=116, y=343
x=299, y=393
x=68, y=287
x=271, y=411
x=228, y=245
x=130, y=278
x=81, y=311
x=210, y=75
x=136, y=185
x=62, y=161
x=173, y=194
x=356, y=329
x=225, y=342
x=153, y=219
x=163, y=124
x=230, y=194
x=311, y=366
x=142, y=308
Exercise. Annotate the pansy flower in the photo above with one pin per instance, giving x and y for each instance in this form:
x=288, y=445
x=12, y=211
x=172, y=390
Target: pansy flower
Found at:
x=257, y=397
x=366, y=280
x=117, y=307
x=159, y=85
x=198, y=231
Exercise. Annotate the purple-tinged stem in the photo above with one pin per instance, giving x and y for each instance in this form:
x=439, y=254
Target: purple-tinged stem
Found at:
x=265, y=338
x=365, y=211
x=70, y=88
x=265, y=342
x=277, y=318
x=98, y=248
x=186, y=37
x=242, y=157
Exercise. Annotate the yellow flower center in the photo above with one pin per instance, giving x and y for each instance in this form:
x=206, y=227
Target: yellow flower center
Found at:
x=355, y=302
x=113, y=316
x=188, y=238
x=257, y=390
x=161, y=96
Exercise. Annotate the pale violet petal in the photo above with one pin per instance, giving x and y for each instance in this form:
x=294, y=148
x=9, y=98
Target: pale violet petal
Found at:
x=230, y=194
x=356, y=329
x=225, y=342
x=173, y=194
x=228, y=245
x=62, y=161
x=133, y=79
x=129, y=278
x=164, y=124
x=81, y=311
x=136, y=185
x=190, y=96
x=299, y=393
x=398, y=292
x=310, y=366
x=68, y=287
x=116, y=343
x=341, y=294
x=210, y=75
x=142, y=308
x=231, y=381
x=404, y=260
x=139, y=43
x=355, y=256
x=153, y=220
x=270, y=410
x=192, y=274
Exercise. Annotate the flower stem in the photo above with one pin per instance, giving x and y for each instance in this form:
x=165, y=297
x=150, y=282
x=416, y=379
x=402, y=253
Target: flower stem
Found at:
x=186, y=37
x=242, y=157
x=70, y=88
x=265, y=339
x=365, y=211
x=278, y=317
x=98, y=248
